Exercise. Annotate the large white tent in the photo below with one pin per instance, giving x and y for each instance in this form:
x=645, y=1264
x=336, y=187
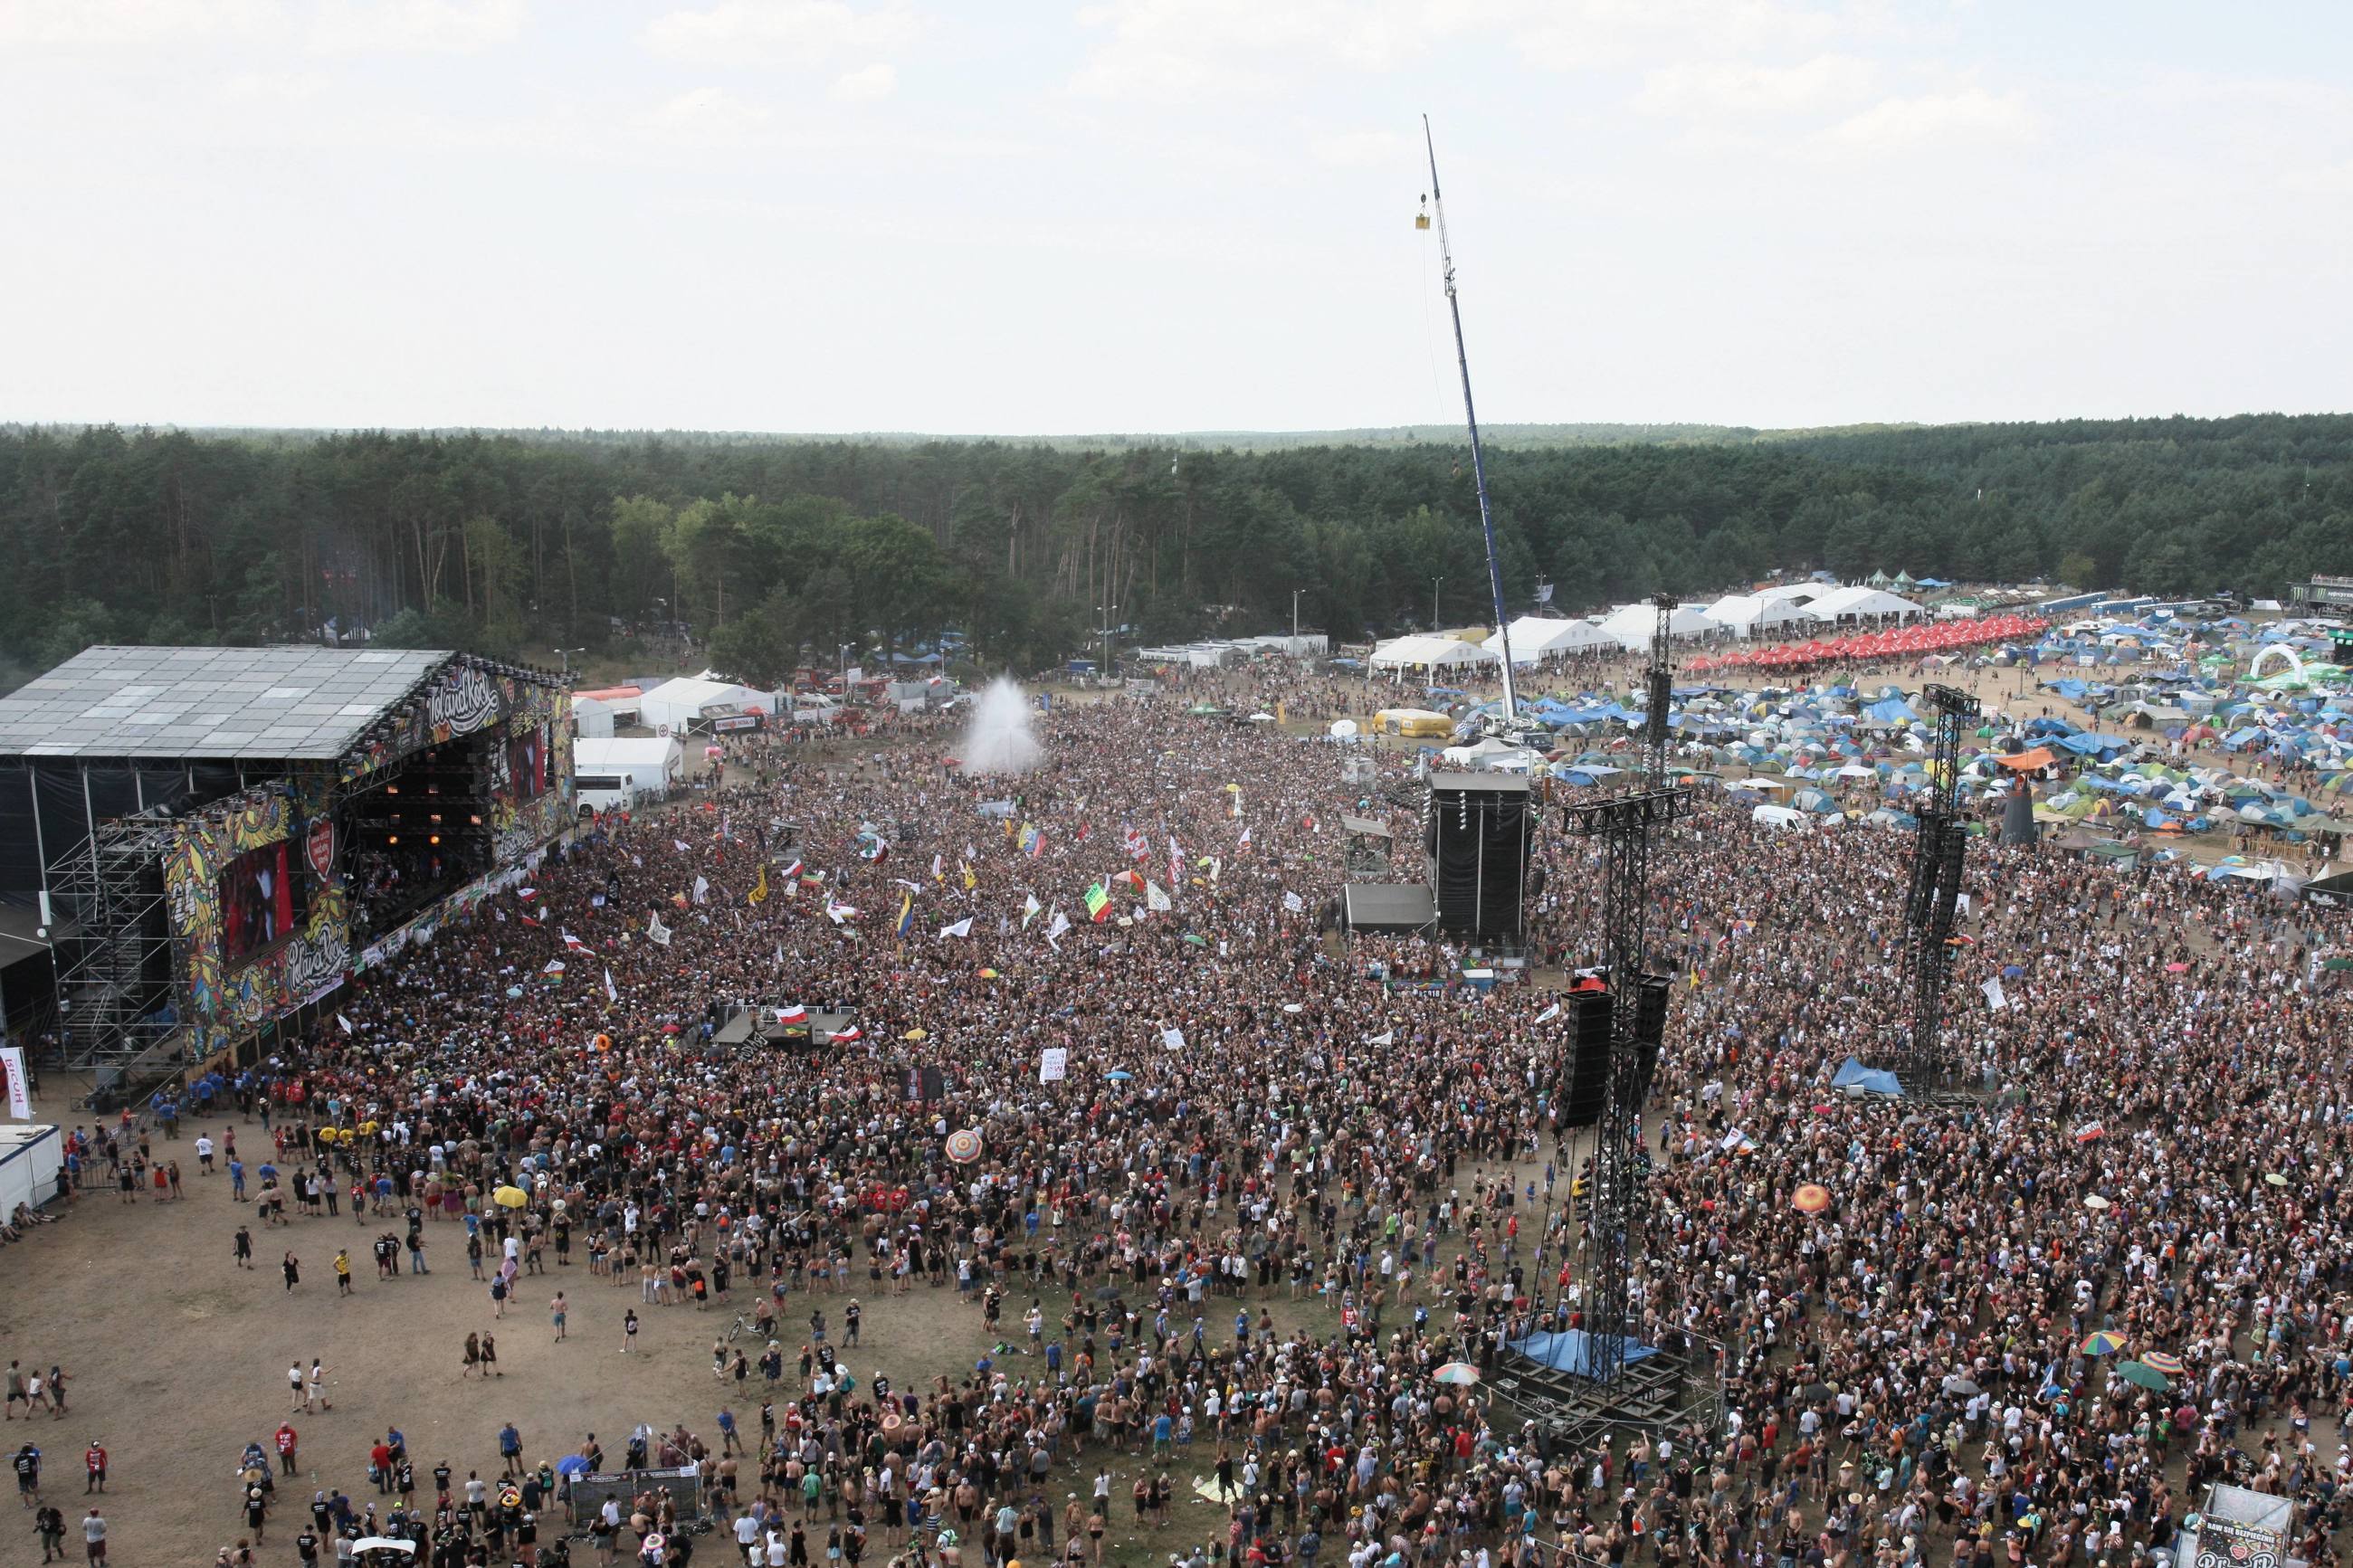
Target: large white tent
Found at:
x=1538, y=637
x=678, y=703
x=614, y=773
x=1749, y=613
x=1861, y=603
x=1632, y=627
x=1431, y=654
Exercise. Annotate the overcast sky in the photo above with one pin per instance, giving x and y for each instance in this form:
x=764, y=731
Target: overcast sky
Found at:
x=1009, y=215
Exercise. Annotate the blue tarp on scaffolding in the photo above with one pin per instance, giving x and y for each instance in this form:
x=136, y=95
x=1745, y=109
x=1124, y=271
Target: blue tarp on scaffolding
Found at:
x=1571, y=1350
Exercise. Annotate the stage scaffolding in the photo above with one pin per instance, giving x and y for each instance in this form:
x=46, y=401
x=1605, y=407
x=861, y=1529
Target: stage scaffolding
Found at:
x=119, y=965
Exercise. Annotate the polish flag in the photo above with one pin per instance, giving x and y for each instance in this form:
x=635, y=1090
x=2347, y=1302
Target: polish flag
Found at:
x=796, y=1013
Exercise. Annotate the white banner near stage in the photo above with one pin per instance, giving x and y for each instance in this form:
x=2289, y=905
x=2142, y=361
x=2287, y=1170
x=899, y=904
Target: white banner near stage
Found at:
x=20, y=1090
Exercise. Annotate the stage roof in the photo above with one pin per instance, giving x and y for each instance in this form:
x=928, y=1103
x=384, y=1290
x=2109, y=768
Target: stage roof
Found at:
x=292, y=704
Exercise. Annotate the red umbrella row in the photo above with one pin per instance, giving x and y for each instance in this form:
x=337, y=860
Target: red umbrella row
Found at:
x=1915, y=641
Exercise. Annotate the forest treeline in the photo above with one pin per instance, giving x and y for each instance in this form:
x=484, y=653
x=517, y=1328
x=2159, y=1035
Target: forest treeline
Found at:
x=518, y=544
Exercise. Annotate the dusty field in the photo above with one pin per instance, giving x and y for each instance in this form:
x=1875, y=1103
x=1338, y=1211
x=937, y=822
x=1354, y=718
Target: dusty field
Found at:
x=177, y=1359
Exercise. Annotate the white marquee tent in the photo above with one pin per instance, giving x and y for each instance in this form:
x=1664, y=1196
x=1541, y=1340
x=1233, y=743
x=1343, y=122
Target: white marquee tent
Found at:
x=680, y=703
x=1861, y=603
x=1431, y=654
x=1632, y=628
x=1749, y=613
x=1537, y=637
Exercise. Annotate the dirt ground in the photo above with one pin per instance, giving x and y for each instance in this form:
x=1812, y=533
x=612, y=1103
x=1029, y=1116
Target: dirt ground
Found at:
x=175, y=1359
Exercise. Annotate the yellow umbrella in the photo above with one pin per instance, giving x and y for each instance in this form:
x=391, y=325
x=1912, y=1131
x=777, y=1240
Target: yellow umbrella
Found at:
x=511, y=1198
x=915, y=1035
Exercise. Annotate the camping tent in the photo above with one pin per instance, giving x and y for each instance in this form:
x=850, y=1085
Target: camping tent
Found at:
x=1535, y=638
x=1632, y=627
x=1431, y=653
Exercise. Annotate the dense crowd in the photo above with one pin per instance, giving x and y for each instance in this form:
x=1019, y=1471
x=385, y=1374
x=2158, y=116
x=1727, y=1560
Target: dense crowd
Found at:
x=1246, y=1118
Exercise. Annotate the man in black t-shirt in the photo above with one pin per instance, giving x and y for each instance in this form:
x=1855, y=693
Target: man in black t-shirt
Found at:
x=27, y=1461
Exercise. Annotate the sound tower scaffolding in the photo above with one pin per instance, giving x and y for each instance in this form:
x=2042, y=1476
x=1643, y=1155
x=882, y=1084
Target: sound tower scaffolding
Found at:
x=1924, y=1063
x=1627, y=826
x=1677, y=1387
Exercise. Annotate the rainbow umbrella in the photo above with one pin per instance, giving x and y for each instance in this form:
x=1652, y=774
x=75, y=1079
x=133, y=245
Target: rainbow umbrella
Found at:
x=1459, y=1372
x=964, y=1145
x=2100, y=1341
x=2161, y=1360
x=1812, y=1198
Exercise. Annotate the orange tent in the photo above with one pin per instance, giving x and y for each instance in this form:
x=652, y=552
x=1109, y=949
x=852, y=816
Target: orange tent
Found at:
x=2027, y=761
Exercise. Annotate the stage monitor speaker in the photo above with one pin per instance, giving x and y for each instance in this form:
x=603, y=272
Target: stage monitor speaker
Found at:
x=1589, y=1017
x=1476, y=832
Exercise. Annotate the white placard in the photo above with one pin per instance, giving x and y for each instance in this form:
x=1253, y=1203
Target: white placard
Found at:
x=1053, y=1064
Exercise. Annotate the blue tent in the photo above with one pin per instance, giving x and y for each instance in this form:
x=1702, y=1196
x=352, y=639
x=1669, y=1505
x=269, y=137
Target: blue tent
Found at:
x=1571, y=1350
x=1871, y=1080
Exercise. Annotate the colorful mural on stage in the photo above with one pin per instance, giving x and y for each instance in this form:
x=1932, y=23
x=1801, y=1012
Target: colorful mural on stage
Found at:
x=531, y=775
x=531, y=803
x=466, y=696
x=224, y=1002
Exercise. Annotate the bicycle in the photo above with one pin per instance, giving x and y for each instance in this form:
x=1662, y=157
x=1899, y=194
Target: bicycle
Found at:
x=743, y=1325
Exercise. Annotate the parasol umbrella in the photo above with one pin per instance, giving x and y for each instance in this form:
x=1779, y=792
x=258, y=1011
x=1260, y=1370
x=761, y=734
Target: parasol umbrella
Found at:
x=2177, y=968
x=1812, y=1198
x=2163, y=1361
x=2100, y=1341
x=1962, y=1386
x=2142, y=1375
x=2094, y=1200
x=2273, y=1178
x=1119, y=1075
x=511, y=1198
x=964, y=1145
x=1460, y=1374
x=917, y=1034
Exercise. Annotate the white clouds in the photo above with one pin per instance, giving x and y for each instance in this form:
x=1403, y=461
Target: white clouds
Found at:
x=322, y=26
x=1587, y=35
x=414, y=27
x=706, y=117
x=780, y=32
x=272, y=87
x=1970, y=116
x=866, y=84
x=1182, y=51
x=125, y=24
x=1710, y=90
x=1361, y=150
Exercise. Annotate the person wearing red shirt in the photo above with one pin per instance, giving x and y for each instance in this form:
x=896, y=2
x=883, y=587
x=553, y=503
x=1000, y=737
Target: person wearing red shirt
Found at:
x=93, y=1463
x=380, y=1466
x=286, y=1449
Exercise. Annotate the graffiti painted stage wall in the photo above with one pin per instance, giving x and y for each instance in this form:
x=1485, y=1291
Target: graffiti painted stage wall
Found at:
x=530, y=743
x=223, y=1000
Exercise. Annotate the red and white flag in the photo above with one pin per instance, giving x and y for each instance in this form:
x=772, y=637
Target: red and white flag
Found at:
x=795, y=1014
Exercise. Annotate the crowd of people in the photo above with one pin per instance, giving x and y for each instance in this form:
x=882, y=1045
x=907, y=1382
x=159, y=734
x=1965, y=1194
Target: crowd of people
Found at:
x=1135, y=1147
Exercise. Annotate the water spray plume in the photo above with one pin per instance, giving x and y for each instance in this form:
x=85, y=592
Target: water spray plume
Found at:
x=1000, y=739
